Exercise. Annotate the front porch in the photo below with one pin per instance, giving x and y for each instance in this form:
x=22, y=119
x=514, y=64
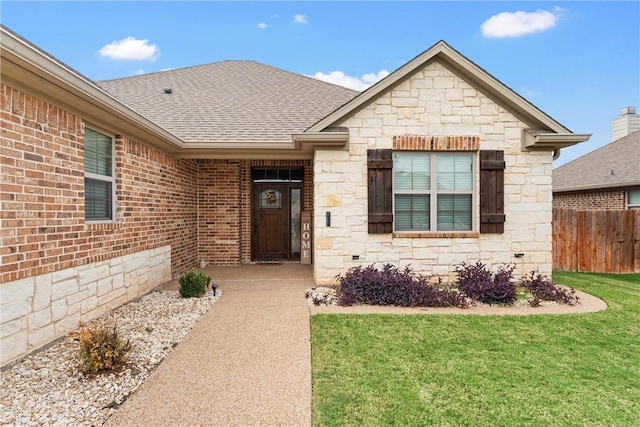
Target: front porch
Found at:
x=249, y=210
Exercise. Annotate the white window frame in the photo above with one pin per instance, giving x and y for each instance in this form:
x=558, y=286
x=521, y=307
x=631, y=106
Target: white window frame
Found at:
x=104, y=178
x=629, y=204
x=433, y=192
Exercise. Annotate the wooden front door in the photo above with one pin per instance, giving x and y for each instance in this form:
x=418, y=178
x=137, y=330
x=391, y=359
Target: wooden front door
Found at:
x=271, y=227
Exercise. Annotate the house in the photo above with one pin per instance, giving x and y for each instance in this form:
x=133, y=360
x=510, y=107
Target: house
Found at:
x=606, y=178
x=112, y=188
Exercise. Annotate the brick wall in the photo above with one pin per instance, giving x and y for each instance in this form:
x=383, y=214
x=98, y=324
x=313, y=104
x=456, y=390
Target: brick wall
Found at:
x=42, y=195
x=41, y=187
x=156, y=202
x=596, y=200
x=219, y=211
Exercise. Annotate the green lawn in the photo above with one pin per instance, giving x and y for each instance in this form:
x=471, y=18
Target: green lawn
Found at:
x=422, y=370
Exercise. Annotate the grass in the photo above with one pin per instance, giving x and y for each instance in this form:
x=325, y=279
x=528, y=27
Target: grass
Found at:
x=564, y=370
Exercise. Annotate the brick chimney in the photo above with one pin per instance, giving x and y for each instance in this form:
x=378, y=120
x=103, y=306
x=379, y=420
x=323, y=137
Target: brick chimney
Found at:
x=627, y=122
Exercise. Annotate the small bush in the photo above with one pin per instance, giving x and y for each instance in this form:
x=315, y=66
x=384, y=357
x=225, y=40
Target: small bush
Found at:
x=193, y=284
x=101, y=349
x=478, y=283
x=543, y=289
x=391, y=286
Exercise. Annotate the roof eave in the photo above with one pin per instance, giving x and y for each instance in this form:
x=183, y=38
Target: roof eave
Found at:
x=29, y=69
x=301, y=146
x=537, y=140
x=587, y=187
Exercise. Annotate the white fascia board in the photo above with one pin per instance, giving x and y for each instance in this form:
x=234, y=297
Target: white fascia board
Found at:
x=536, y=140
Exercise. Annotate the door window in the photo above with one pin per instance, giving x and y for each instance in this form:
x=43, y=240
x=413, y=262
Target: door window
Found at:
x=270, y=199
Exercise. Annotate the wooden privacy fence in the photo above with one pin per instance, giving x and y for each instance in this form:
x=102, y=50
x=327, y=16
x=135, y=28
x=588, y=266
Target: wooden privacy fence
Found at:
x=606, y=241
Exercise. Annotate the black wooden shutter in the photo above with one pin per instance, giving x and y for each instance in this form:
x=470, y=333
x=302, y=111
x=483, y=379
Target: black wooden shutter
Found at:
x=492, y=191
x=380, y=186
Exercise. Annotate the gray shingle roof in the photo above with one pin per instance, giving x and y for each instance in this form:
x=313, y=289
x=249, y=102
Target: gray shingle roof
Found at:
x=230, y=101
x=593, y=170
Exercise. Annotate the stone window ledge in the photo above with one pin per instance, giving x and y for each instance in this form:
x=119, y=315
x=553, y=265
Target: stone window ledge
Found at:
x=436, y=235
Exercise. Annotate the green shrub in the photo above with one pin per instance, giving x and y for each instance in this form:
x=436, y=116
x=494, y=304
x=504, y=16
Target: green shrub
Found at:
x=193, y=284
x=101, y=348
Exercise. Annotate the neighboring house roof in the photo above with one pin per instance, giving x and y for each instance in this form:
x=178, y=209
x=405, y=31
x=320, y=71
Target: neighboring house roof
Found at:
x=616, y=165
x=230, y=101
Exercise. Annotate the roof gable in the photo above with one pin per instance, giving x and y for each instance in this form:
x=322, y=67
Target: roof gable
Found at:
x=461, y=66
x=615, y=165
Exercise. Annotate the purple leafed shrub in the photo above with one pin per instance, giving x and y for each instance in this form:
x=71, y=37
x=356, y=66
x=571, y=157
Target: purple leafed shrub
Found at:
x=391, y=286
x=478, y=283
x=543, y=289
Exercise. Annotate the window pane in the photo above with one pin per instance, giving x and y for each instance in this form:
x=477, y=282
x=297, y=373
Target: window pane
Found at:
x=270, y=199
x=272, y=175
x=295, y=220
x=97, y=200
x=634, y=198
x=454, y=212
x=455, y=172
x=97, y=153
x=297, y=175
x=411, y=212
x=412, y=171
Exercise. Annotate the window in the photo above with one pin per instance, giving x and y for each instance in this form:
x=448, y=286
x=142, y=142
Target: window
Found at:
x=433, y=191
x=98, y=176
x=634, y=199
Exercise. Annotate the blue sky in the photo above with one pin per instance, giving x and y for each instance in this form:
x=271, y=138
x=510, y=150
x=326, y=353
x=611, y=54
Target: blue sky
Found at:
x=577, y=61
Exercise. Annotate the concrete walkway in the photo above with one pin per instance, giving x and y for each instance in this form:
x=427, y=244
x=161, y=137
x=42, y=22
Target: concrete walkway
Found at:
x=246, y=363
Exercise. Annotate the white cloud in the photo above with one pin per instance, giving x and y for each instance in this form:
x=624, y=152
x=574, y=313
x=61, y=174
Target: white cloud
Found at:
x=132, y=49
x=140, y=72
x=515, y=24
x=529, y=93
x=262, y=25
x=340, y=78
x=300, y=19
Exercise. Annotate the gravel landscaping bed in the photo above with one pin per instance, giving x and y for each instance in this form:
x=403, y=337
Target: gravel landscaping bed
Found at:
x=48, y=387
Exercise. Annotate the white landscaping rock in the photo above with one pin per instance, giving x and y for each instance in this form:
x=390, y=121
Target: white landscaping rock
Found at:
x=48, y=388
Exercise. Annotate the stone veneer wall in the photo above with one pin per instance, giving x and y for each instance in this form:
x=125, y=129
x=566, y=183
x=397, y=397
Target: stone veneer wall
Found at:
x=595, y=200
x=44, y=236
x=432, y=103
x=38, y=309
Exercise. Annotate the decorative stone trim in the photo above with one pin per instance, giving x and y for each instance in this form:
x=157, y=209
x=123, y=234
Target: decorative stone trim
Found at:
x=38, y=309
x=436, y=143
